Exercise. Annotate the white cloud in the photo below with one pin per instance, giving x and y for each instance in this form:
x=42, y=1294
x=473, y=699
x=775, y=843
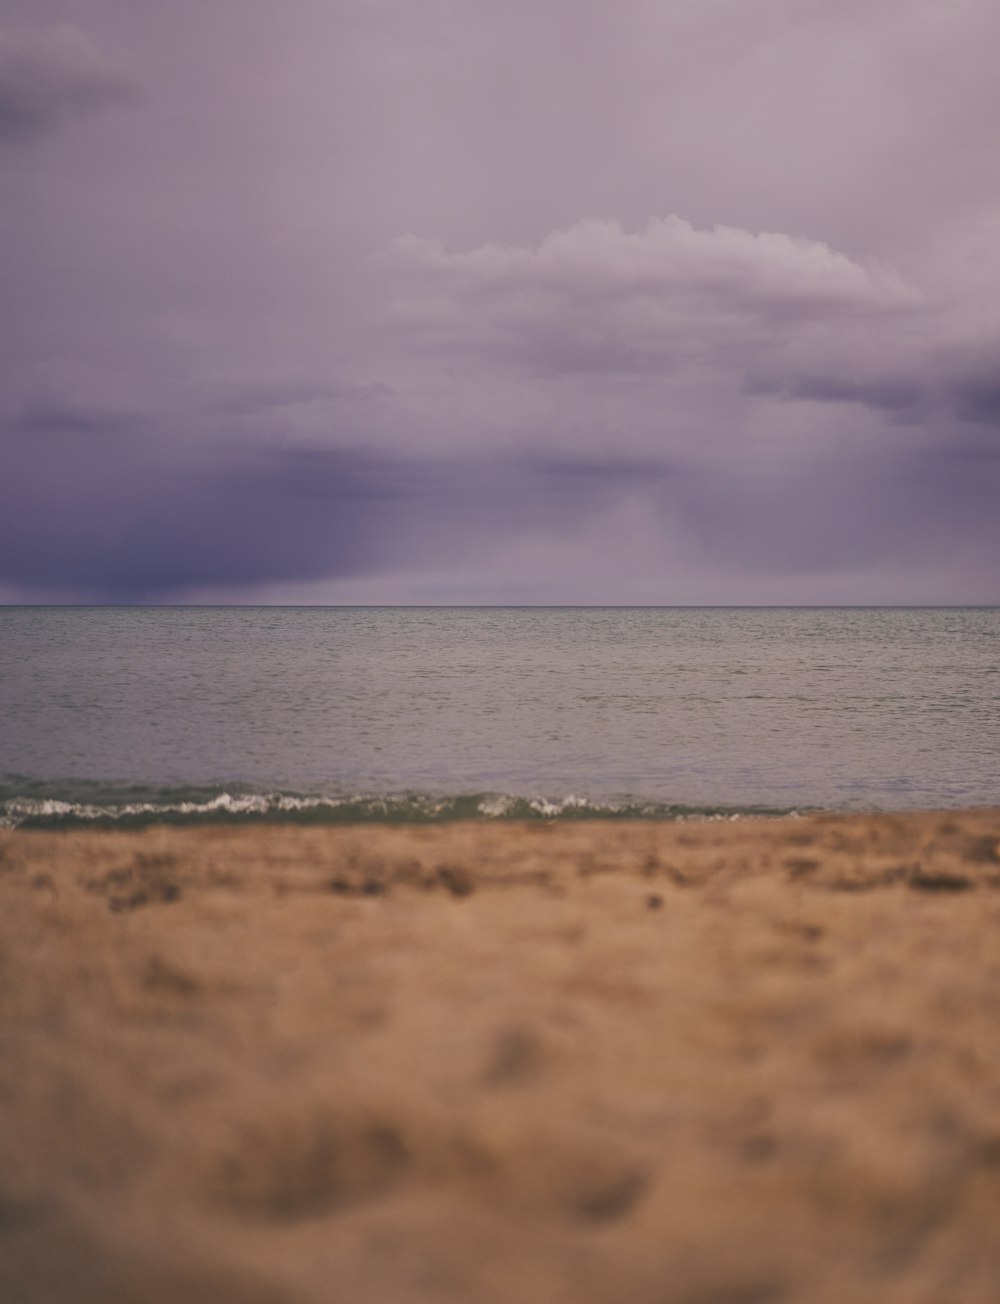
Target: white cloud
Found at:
x=596, y=297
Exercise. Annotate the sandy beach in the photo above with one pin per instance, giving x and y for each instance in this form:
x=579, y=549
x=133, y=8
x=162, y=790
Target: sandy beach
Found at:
x=690, y=1063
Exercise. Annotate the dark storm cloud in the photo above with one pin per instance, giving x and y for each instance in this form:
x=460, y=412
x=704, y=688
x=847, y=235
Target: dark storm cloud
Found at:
x=53, y=76
x=940, y=390
x=902, y=398
x=212, y=381
x=48, y=418
x=109, y=518
x=978, y=399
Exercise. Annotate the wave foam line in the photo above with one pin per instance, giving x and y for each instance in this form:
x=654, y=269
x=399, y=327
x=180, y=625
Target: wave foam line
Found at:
x=52, y=812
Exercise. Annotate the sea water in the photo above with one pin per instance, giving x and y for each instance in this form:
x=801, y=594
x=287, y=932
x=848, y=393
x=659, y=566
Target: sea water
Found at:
x=132, y=714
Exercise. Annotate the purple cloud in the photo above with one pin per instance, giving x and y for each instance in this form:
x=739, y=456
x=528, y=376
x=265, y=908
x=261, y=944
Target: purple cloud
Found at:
x=112, y=518
x=595, y=297
x=51, y=76
x=228, y=371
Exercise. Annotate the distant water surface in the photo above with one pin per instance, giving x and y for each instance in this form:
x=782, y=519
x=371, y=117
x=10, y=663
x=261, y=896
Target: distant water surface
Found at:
x=451, y=711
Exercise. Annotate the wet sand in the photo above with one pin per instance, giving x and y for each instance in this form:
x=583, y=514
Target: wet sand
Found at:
x=717, y=1063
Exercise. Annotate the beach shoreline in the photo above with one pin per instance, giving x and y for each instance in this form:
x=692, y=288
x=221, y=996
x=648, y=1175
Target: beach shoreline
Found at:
x=675, y=1062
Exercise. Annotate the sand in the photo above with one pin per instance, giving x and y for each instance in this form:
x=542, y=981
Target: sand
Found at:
x=701, y=1063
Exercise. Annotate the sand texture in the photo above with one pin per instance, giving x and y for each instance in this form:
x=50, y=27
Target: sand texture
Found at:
x=702, y=1063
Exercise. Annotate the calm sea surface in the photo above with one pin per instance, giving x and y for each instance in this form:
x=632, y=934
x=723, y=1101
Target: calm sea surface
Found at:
x=332, y=713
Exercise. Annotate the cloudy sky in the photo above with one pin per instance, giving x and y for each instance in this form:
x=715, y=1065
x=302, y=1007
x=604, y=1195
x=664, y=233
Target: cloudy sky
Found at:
x=655, y=301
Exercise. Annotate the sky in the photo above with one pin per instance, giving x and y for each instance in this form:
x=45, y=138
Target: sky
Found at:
x=500, y=301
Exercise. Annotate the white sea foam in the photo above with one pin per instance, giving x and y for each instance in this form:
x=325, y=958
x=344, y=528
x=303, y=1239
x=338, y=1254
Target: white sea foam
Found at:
x=20, y=810
x=357, y=807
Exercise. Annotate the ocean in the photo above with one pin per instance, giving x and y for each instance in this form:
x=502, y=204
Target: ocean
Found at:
x=139, y=714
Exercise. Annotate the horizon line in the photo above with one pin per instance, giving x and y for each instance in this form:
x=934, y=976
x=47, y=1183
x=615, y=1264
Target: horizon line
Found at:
x=503, y=606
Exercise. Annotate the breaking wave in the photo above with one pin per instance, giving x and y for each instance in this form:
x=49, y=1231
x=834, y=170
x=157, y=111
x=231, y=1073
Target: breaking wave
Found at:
x=37, y=805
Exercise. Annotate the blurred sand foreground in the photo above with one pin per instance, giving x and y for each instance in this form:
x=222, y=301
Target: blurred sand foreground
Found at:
x=702, y=1063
